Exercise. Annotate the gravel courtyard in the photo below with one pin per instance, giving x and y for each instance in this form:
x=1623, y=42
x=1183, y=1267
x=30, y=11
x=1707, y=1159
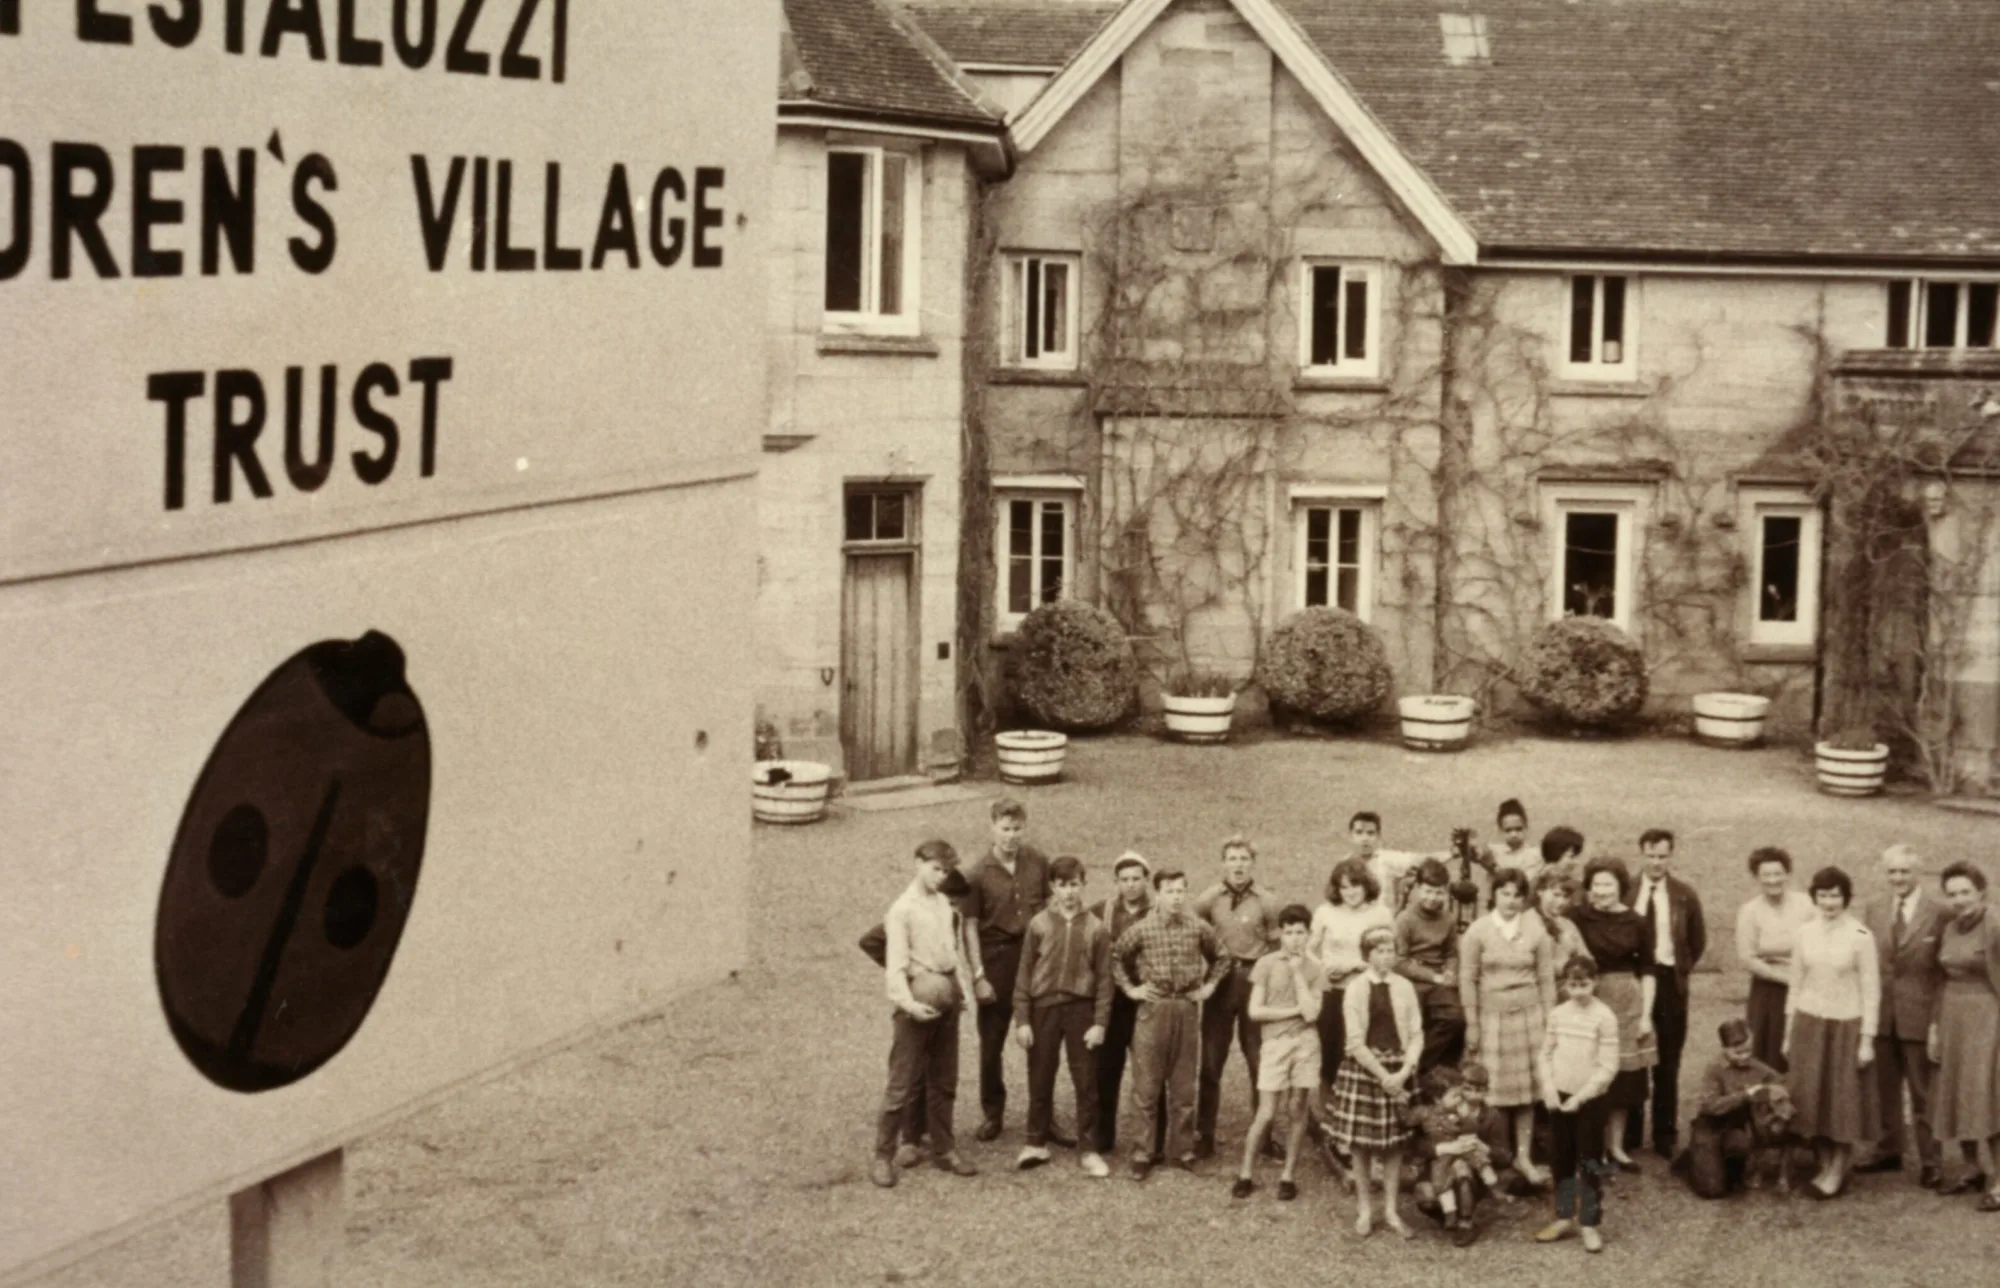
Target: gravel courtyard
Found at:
x=725, y=1140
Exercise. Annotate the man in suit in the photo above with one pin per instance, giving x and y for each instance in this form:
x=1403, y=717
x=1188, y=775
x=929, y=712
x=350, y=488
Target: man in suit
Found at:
x=1673, y=910
x=1906, y=926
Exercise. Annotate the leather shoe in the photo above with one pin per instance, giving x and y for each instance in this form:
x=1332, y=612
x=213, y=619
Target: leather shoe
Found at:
x=1204, y=1147
x=1969, y=1184
x=1988, y=1203
x=882, y=1171
x=1061, y=1141
x=1665, y=1148
x=1931, y=1177
x=1883, y=1163
x=1142, y=1166
x=988, y=1130
x=955, y=1163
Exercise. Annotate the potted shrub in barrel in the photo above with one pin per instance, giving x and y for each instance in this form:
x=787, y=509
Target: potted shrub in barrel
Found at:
x=1730, y=719
x=1198, y=705
x=1585, y=672
x=1074, y=671
x=1852, y=763
x=1326, y=664
x=1436, y=721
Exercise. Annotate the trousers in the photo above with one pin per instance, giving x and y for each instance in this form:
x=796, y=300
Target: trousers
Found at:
x=1225, y=1016
x=1905, y=1062
x=1001, y=960
x=1111, y=1060
x=1576, y=1149
x=1058, y=1031
x=1166, y=1041
x=923, y=1070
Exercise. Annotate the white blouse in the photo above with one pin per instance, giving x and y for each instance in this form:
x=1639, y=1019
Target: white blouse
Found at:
x=1836, y=974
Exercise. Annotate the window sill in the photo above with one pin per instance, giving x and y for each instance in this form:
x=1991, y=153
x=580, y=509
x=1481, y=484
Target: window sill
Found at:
x=1571, y=387
x=1037, y=376
x=847, y=342
x=1336, y=384
x=1779, y=653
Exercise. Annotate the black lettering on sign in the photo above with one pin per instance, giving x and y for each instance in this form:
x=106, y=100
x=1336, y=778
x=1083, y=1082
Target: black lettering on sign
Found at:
x=513, y=63
x=354, y=50
x=666, y=251
x=556, y=257
x=21, y=225
x=430, y=373
x=228, y=211
x=76, y=214
x=175, y=389
x=236, y=438
x=294, y=866
x=415, y=53
x=506, y=258
x=706, y=178
x=313, y=257
x=479, y=214
x=435, y=216
x=294, y=17
x=373, y=469
x=459, y=56
x=308, y=477
x=98, y=27
x=150, y=212
x=232, y=26
x=178, y=32
x=616, y=229
x=10, y=17
x=559, y=42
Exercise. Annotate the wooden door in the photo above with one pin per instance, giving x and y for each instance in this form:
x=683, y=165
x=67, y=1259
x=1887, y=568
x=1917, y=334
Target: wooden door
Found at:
x=878, y=709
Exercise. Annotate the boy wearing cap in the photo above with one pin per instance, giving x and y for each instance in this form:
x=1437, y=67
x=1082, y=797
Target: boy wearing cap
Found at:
x=1129, y=904
x=1062, y=1002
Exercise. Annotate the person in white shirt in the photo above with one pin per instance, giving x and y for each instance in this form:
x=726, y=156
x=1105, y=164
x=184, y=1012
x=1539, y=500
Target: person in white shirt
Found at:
x=1680, y=936
x=1831, y=1014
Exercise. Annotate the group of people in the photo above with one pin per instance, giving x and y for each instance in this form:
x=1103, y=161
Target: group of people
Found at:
x=1497, y=1009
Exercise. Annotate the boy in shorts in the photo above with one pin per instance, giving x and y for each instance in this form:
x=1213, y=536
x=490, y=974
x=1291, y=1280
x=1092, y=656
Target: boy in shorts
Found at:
x=1285, y=998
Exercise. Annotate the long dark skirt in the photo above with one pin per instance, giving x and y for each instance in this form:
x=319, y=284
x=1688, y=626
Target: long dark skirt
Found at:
x=1765, y=1014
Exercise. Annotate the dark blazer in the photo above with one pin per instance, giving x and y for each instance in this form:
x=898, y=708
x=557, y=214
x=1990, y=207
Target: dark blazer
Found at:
x=1686, y=927
x=1910, y=975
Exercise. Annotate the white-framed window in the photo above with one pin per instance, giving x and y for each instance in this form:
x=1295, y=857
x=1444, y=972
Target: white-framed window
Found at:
x=1335, y=537
x=1465, y=39
x=1035, y=543
x=1042, y=310
x=1925, y=314
x=1594, y=534
x=874, y=203
x=1782, y=530
x=1340, y=327
x=1599, y=338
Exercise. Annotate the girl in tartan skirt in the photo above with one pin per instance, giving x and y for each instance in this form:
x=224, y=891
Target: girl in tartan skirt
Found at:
x=1385, y=1035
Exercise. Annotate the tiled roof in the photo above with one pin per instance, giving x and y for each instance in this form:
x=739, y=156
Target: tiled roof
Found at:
x=1018, y=33
x=1846, y=129
x=864, y=56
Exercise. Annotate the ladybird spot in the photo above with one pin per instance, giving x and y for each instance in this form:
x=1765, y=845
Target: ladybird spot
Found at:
x=350, y=907
x=237, y=851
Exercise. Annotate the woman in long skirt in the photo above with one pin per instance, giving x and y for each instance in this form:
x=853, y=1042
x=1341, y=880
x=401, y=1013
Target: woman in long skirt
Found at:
x=1621, y=943
x=1965, y=1040
x=1830, y=1017
x=1507, y=985
x=1767, y=927
x=1385, y=1038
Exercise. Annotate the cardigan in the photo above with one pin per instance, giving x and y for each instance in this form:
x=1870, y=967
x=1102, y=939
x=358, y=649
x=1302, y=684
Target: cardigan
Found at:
x=1511, y=975
x=1402, y=998
x=1836, y=974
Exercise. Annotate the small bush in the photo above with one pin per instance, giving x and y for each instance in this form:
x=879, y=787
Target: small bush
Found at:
x=1184, y=683
x=1586, y=671
x=1075, y=666
x=1326, y=663
x=1855, y=738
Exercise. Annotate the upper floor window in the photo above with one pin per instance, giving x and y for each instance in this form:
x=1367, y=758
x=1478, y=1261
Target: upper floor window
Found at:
x=1942, y=315
x=1341, y=331
x=1036, y=545
x=1041, y=311
x=1600, y=332
x=873, y=196
x=1784, y=534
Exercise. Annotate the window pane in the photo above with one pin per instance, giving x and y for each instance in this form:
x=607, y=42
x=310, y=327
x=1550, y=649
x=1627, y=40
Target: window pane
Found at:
x=1940, y=315
x=1778, y=597
x=890, y=297
x=1349, y=589
x=889, y=516
x=1052, y=550
x=1979, y=302
x=1020, y=528
x=1614, y=321
x=1590, y=564
x=1316, y=586
x=1031, y=294
x=1899, y=315
x=1319, y=537
x=846, y=196
x=1055, y=308
x=1350, y=539
x=860, y=516
x=1020, y=556
x=1325, y=319
x=1357, y=317
x=1581, y=312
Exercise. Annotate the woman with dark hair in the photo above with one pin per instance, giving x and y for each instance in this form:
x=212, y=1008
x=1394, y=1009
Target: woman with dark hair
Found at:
x=1506, y=985
x=1555, y=895
x=1620, y=941
x=1830, y=1017
x=1353, y=907
x=1767, y=927
x=1965, y=1039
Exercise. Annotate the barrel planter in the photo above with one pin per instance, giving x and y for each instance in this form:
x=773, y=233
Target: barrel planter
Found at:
x=1203, y=719
x=1437, y=721
x=1730, y=719
x=1031, y=756
x=797, y=796
x=1851, y=773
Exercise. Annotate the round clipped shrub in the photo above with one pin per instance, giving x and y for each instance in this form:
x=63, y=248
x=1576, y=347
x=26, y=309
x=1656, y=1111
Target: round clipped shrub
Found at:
x=1326, y=663
x=1586, y=671
x=1075, y=667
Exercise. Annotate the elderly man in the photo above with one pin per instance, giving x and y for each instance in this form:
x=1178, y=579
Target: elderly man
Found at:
x=1906, y=925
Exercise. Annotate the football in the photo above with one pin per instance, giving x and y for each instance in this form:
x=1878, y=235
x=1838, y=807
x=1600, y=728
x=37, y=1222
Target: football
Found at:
x=939, y=992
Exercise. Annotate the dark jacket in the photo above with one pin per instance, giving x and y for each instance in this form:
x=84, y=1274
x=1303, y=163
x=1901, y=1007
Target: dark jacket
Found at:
x=1687, y=929
x=1910, y=975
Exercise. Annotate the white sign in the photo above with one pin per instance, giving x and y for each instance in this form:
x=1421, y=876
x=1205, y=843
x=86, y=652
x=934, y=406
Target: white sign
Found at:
x=380, y=385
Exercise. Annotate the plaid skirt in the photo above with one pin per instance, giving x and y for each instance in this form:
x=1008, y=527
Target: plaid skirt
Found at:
x=1360, y=1113
x=1508, y=1041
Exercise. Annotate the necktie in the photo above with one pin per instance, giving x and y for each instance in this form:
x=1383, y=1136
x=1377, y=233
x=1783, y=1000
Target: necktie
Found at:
x=1902, y=919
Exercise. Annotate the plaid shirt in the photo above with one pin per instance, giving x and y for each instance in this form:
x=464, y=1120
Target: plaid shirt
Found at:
x=1176, y=955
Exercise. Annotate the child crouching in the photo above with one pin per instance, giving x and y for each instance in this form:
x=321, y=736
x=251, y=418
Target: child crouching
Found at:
x=1465, y=1144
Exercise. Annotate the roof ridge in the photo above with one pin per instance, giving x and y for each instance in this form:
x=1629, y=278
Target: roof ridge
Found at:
x=940, y=59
